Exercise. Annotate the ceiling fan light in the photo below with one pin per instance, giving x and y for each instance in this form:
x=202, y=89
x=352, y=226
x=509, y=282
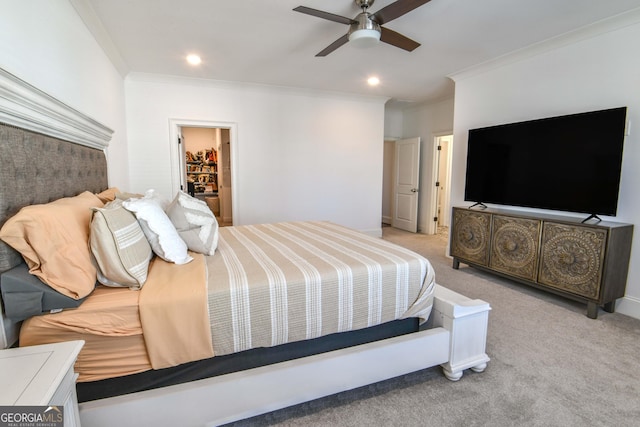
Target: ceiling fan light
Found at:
x=364, y=38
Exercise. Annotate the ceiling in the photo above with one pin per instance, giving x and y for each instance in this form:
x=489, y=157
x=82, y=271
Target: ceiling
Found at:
x=266, y=42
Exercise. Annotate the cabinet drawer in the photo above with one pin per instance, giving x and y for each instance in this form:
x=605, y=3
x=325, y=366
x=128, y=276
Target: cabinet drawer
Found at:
x=572, y=258
x=470, y=236
x=514, y=246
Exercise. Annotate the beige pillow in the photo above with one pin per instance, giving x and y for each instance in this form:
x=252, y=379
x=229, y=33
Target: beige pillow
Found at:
x=195, y=223
x=119, y=247
x=53, y=239
x=108, y=195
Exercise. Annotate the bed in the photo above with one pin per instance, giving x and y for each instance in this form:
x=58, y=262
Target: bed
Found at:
x=298, y=315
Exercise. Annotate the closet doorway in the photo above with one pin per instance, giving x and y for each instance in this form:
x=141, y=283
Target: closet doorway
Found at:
x=441, y=179
x=204, y=164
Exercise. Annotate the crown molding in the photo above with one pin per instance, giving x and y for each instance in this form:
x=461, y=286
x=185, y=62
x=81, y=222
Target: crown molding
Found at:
x=140, y=77
x=93, y=23
x=27, y=107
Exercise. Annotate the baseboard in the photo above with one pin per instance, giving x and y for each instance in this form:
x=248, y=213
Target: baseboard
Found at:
x=386, y=220
x=629, y=306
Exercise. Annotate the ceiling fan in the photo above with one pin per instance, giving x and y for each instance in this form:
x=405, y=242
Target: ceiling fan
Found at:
x=366, y=28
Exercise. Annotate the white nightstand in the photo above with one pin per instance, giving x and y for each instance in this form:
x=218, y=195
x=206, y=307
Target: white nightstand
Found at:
x=41, y=375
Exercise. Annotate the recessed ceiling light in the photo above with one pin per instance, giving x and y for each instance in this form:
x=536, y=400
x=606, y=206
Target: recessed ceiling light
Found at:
x=193, y=59
x=373, y=81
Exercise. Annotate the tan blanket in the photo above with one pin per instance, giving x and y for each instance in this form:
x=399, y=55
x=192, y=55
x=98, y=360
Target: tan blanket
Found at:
x=174, y=312
x=108, y=322
x=171, y=311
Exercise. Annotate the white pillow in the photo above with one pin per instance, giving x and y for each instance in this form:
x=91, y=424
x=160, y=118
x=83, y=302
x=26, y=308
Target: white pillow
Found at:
x=195, y=223
x=158, y=229
x=153, y=195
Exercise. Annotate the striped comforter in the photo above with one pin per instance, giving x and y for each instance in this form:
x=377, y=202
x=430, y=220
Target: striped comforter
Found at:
x=270, y=284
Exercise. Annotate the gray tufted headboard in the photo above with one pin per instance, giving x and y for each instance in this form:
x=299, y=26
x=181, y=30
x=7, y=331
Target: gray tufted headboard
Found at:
x=38, y=169
x=48, y=150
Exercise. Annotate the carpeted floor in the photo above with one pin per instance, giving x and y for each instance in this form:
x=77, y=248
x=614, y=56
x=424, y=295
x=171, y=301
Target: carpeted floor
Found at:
x=550, y=365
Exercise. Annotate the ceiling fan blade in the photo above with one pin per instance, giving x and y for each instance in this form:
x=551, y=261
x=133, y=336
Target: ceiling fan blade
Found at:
x=396, y=10
x=398, y=40
x=323, y=15
x=333, y=46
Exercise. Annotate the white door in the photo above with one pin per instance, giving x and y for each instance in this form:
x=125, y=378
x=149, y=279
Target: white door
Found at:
x=442, y=176
x=407, y=175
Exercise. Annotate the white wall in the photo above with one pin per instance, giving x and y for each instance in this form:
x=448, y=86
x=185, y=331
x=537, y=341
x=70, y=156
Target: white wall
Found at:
x=299, y=155
x=595, y=71
x=393, y=119
x=200, y=139
x=46, y=44
x=427, y=121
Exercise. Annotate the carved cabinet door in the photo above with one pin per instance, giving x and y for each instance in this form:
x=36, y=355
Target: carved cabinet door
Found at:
x=572, y=258
x=470, y=236
x=514, y=246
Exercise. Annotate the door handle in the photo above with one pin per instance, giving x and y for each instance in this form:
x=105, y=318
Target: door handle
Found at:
x=414, y=190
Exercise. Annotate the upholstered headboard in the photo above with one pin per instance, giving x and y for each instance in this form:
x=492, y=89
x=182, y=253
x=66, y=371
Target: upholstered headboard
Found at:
x=48, y=150
x=38, y=169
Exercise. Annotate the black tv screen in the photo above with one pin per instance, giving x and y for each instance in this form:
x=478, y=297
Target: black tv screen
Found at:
x=567, y=163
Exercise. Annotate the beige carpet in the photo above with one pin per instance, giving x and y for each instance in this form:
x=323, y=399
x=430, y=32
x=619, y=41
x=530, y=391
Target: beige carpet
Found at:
x=550, y=365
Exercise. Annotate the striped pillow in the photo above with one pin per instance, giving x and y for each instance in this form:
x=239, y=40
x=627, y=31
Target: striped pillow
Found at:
x=120, y=248
x=195, y=223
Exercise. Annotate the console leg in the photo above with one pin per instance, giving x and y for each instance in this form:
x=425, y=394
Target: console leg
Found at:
x=592, y=310
x=610, y=307
x=456, y=264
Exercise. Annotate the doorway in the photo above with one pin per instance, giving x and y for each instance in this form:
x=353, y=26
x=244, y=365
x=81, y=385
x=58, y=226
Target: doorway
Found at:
x=202, y=164
x=387, y=180
x=400, y=188
x=441, y=199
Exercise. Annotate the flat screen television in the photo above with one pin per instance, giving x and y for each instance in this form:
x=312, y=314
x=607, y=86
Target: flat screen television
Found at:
x=567, y=163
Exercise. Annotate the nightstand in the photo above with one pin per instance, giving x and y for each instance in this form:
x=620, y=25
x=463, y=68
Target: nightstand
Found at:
x=41, y=375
